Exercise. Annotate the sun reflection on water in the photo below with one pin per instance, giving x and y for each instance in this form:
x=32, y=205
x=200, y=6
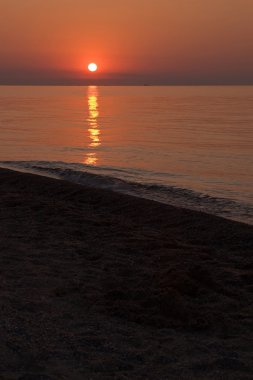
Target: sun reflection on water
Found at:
x=94, y=131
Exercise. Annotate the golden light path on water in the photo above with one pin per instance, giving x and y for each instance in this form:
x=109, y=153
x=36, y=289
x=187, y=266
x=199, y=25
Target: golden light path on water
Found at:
x=94, y=131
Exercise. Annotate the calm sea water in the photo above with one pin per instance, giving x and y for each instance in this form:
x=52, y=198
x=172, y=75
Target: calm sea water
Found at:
x=187, y=146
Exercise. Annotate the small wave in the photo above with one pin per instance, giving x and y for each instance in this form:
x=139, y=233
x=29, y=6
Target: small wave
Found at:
x=136, y=182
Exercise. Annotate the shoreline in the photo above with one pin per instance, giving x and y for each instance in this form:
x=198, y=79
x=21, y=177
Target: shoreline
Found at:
x=98, y=284
x=237, y=210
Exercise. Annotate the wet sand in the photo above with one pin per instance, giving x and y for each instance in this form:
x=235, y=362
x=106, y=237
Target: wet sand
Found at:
x=100, y=285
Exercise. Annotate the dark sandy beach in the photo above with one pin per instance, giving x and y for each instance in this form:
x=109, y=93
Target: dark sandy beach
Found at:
x=99, y=285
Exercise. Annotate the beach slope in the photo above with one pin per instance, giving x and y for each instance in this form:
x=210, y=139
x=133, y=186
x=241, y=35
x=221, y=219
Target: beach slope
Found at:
x=100, y=285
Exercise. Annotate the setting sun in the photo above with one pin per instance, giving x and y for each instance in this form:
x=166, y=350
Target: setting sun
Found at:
x=92, y=67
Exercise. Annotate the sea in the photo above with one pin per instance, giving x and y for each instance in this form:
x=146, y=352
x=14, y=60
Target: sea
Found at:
x=190, y=146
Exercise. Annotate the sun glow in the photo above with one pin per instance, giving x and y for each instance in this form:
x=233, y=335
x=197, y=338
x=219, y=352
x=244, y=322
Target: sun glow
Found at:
x=92, y=67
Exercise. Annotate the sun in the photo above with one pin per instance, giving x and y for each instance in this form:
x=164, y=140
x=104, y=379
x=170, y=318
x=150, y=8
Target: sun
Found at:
x=92, y=67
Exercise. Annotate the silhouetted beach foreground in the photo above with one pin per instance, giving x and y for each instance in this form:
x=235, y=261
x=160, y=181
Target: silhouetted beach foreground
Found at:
x=99, y=285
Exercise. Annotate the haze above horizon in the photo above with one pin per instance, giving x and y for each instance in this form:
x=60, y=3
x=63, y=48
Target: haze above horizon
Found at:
x=153, y=42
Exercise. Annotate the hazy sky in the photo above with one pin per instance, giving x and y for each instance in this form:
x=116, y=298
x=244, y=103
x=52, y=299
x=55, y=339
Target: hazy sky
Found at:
x=153, y=41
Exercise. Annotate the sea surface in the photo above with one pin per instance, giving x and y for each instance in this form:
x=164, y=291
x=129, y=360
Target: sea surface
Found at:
x=186, y=146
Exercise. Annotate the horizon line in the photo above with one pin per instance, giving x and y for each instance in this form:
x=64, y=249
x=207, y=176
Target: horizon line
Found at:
x=124, y=84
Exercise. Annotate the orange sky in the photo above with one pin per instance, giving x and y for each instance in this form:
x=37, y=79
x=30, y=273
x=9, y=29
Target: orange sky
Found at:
x=172, y=41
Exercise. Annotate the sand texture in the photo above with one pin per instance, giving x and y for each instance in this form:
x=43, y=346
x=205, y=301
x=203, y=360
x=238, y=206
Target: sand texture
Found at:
x=99, y=285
